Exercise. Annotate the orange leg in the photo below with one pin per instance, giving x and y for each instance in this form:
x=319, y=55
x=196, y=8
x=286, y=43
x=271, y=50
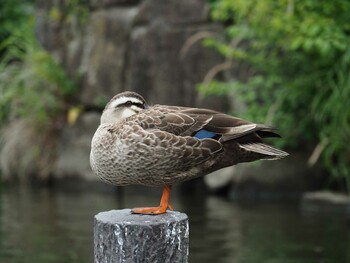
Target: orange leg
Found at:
x=161, y=209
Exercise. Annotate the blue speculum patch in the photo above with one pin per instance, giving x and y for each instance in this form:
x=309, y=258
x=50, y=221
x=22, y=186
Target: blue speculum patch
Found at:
x=202, y=134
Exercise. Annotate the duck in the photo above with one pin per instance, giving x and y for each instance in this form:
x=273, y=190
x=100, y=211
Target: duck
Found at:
x=163, y=145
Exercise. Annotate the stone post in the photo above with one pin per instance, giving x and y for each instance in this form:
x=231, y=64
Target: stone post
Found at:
x=120, y=236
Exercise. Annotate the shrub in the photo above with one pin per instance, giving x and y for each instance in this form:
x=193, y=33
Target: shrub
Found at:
x=32, y=84
x=298, y=57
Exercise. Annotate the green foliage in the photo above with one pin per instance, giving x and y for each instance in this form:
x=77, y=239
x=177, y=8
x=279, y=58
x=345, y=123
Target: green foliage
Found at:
x=12, y=14
x=69, y=10
x=32, y=84
x=298, y=56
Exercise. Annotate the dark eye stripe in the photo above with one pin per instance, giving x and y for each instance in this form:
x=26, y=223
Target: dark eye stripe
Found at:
x=130, y=103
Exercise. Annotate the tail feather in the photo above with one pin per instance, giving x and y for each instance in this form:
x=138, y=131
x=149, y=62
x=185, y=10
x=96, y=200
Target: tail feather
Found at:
x=270, y=153
x=267, y=133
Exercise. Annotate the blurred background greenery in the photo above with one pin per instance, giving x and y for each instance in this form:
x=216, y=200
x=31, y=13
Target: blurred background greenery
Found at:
x=281, y=62
x=298, y=57
x=32, y=84
x=295, y=56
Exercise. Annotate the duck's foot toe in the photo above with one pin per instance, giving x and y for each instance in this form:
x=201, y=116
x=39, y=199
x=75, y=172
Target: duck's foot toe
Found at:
x=151, y=210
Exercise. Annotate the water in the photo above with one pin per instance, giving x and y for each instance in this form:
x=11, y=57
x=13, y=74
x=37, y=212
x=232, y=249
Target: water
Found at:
x=48, y=225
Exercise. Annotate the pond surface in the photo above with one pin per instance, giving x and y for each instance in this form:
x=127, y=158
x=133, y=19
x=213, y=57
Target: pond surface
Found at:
x=50, y=225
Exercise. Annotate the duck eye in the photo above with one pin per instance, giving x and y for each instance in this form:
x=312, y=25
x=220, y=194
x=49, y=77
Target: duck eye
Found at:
x=128, y=103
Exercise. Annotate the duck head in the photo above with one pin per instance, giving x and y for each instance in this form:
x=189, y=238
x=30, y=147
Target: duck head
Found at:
x=123, y=105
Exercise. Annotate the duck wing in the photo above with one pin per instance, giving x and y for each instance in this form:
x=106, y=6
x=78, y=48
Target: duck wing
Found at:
x=201, y=123
x=205, y=123
x=171, y=119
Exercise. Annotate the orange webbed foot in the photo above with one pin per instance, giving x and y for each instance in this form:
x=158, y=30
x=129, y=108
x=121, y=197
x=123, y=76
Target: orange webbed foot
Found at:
x=149, y=210
x=161, y=209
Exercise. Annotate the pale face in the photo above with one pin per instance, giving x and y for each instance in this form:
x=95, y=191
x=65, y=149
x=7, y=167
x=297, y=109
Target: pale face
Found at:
x=121, y=107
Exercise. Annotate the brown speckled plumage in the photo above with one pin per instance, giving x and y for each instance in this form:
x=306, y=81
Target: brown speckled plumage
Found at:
x=154, y=146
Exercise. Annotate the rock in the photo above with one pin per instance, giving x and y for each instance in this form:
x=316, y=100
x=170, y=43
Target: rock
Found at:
x=48, y=30
x=287, y=178
x=120, y=236
x=173, y=11
x=105, y=54
x=220, y=180
x=26, y=151
x=156, y=68
x=74, y=148
x=132, y=47
x=109, y=3
x=63, y=39
x=325, y=201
